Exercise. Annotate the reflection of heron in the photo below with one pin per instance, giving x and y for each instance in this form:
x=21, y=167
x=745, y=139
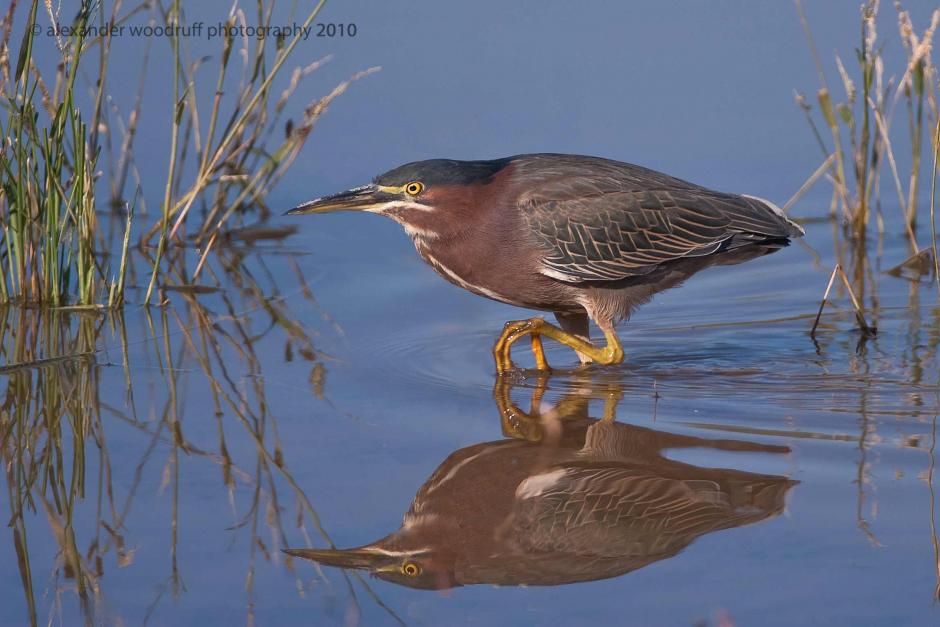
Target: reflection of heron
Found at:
x=590, y=499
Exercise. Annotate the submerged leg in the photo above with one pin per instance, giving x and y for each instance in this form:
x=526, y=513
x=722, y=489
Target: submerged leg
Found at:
x=610, y=354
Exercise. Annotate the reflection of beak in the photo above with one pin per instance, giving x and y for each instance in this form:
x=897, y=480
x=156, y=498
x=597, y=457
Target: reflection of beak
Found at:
x=359, y=198
x=362, y=558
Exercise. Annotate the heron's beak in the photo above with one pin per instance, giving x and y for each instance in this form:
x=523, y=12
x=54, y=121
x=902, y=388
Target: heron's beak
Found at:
x=358, y=198
x=365, y=558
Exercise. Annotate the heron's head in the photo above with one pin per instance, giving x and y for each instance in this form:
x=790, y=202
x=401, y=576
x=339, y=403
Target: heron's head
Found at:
x=422, y=196
x=415, y=568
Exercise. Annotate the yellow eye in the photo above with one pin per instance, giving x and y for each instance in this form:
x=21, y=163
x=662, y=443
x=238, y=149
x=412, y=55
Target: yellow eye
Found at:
x=413, y=188
x=410, y=568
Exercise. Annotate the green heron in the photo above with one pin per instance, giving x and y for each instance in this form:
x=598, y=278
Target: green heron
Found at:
x=592, y=499
x=583, y=237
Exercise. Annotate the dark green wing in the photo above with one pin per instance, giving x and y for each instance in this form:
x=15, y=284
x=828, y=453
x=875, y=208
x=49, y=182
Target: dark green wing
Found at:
x=600, y=220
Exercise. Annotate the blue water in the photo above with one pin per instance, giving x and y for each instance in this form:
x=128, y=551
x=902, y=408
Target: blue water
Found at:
x=400, y=375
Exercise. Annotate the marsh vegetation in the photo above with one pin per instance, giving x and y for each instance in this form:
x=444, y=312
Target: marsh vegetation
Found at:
x=70, y=175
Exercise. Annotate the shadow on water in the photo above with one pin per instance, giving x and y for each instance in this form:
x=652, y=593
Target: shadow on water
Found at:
x=565, y=498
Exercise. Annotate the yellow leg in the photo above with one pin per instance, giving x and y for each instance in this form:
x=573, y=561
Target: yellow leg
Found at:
x=536, y=328
x=539, y=352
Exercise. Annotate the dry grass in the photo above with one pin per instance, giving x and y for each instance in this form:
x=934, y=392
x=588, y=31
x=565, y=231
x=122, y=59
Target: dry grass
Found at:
x=55, y=249
x=855, y=128
x=866, y=328
x=859, y=125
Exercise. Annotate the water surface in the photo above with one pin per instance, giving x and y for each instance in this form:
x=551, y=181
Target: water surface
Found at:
x=233, y=424
x=157, y=462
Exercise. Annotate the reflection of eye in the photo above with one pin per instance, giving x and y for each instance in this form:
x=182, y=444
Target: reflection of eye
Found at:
x=413, y=188
x=411, y=569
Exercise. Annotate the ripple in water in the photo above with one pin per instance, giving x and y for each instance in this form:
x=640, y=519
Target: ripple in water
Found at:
x=753, y=361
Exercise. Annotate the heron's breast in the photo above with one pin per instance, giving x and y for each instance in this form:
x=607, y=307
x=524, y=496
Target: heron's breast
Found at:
x=456, y=268
x=500, y=273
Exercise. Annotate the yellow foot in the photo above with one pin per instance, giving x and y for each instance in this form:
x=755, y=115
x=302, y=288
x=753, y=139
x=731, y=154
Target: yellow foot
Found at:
x=536, y=328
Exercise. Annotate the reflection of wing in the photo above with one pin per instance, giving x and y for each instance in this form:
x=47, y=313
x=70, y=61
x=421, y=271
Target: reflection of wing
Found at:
x=608, y=511
x=598, y=220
